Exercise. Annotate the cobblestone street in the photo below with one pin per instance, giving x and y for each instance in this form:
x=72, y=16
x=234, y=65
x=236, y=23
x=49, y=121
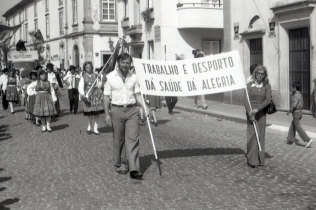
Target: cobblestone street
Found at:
x=202, y=160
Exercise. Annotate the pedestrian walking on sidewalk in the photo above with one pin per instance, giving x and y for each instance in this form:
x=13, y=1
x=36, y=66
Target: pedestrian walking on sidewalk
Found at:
x=122, y=87
x=313, y=99
x=260, y=95
x=296, y=107
x=154, y=104
x=44, y=107
x=198, y=54
x=93, y=102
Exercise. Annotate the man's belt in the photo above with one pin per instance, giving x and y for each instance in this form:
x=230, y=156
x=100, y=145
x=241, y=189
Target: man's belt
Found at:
x=124, y=106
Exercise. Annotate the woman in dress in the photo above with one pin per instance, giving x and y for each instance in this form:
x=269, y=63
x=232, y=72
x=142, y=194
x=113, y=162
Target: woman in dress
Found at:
x=154, y=104
x=260, y=95
x=31, y=99
x=44, y=100
x=11, y=90
x=313, y=99
x=93, y=102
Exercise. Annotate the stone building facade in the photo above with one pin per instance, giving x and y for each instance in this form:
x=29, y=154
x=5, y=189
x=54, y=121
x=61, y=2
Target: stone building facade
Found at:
x=74, y=31
x=280, y=34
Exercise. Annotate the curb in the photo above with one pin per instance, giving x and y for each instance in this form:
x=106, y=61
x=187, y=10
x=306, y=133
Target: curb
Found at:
x=237, y=119
x=212, y=114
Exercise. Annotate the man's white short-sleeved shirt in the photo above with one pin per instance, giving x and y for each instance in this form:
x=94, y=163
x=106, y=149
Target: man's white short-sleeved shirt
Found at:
x=120, y=92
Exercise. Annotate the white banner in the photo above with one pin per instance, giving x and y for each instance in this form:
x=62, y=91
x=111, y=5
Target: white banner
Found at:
x=200, y=76
x=23, y=56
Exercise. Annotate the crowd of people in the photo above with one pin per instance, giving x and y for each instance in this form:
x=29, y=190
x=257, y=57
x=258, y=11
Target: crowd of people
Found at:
x=118, y=95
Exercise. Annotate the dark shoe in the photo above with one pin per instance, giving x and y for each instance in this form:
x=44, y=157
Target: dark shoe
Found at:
x=89, y=132
x=251, y=166
x=205, y=107
x=136, y=175
x=12, y=112
x=156, y=123
x=170, y=112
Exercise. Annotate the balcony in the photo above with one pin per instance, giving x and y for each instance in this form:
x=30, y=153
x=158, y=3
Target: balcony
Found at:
x=125, y=23
x=200, y=15
x=135, y=30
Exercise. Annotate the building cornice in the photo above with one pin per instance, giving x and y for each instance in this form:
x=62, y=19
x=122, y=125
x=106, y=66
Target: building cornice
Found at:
x=306, y=5
x=253, y=33
x=77, y=34
x=17, y=7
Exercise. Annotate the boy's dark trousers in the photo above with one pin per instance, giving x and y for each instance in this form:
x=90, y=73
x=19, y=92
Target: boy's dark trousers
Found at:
x=73, y=96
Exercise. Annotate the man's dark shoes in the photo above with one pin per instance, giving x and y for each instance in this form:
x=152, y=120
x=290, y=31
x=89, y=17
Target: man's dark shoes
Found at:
x=136, y=175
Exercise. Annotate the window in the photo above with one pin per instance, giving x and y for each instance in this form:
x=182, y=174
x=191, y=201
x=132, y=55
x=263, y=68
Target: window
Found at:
x=20, y=17
x=26, y=31
x=255, y=47
x=25, y=15
x=61, y=23
x=35, y=25
x=149, y=4
x=108, y=10
x=35, y=10
x=8, y=22
x=211, y=47
x=46, y=5
x=151, y=50
x=74, y=12
x=126, y=9
x=47, y=26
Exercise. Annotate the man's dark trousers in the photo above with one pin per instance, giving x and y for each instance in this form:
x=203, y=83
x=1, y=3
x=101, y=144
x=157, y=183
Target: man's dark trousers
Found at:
x=171, y=102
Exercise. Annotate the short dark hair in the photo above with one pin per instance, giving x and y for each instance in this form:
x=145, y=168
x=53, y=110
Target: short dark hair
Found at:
x=41, y=72
x=50, y=66
x=5, y=69
x=72, y=67
x=124, y=56
x=297, y=86
x=252, y=68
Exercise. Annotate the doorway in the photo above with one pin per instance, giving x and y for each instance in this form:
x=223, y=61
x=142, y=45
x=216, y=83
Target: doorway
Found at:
x=299, y=61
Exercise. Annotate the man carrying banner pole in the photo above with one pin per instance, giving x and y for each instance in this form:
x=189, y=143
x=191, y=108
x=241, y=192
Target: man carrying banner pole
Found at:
x=123, y=88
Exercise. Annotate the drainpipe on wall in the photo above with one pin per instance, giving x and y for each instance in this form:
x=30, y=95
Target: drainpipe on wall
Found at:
x=66, y=33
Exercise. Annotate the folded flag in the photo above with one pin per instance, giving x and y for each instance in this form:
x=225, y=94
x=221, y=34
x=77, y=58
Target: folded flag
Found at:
x=6, y=32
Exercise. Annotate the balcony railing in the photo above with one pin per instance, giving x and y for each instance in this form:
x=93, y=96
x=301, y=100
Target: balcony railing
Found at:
x=200, y=14
x=211, y=4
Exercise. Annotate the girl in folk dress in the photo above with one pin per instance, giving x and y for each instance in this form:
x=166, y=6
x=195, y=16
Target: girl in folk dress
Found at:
x=31, y=99
x=23, y=84
x=44, y=100
x=93, y=104
x=11, y=90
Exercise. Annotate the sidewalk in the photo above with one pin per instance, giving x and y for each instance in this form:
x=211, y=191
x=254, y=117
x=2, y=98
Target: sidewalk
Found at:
x=277, y=121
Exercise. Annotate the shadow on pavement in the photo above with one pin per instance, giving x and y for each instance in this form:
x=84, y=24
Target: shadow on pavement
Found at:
x=8, y=202
x=162, y=122
x=59, y=127
x=106, y=129
x=146, y=161
x=4, y=179
x=3, y=134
